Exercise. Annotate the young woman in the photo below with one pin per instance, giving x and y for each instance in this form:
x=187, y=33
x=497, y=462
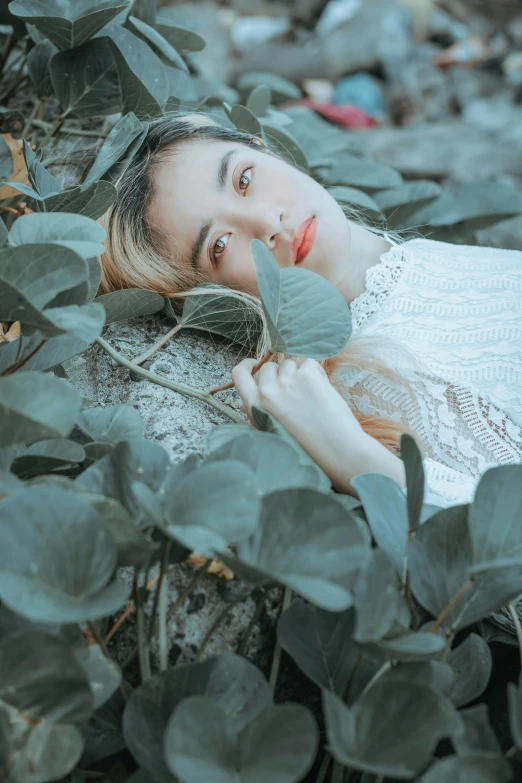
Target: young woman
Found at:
x=436, y=347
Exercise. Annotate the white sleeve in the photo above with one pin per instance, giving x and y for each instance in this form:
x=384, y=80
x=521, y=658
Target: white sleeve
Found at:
x=444, y=486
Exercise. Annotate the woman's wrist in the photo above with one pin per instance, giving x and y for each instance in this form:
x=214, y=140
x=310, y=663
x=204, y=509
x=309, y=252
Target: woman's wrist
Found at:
x=349, y=457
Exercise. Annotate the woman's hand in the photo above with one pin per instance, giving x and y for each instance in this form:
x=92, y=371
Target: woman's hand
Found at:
x=299, y=397
x=303, y=400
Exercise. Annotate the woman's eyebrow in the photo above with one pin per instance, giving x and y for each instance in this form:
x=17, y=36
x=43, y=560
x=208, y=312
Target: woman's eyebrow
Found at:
x=221, y=183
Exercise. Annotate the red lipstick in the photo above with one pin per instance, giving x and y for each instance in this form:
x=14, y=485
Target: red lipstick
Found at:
x=303, y=240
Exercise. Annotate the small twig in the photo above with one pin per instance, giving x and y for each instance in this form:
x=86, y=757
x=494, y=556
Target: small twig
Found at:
x=219, y=619
x=144, y=356
x=181, y=388
x=224, y=386
x=451, y=606
x=14, y=87
x=16, y=366
x=67, y=129
x=127, y=613
x=518, y=627
x=511, y=752
x=276, y=661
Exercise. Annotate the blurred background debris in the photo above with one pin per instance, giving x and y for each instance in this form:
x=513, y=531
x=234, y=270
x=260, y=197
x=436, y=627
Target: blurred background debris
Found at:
x=435, y=86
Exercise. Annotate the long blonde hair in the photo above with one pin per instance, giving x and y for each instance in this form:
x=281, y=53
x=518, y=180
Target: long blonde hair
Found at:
x=137, y=255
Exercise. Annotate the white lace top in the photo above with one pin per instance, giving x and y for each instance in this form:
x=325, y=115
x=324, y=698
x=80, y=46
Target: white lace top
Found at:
x=458, y=312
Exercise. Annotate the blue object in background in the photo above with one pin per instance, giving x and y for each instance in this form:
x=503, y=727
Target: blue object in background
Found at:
x=362, y=90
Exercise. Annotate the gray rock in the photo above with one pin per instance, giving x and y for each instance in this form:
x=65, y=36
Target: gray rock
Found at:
x=180, y=423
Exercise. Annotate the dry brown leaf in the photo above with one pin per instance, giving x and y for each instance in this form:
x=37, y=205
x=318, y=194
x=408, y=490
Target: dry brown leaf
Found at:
x=19, y=168
x=216, y=567
x=9, y=332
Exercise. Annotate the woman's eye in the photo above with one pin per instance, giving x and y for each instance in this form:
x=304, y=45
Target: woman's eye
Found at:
x=219, y=245
x=244, y=176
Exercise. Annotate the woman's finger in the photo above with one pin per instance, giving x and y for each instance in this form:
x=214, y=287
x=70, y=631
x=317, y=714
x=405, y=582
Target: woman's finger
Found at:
x=268, y=372
x=243, y=381
x=287, y=369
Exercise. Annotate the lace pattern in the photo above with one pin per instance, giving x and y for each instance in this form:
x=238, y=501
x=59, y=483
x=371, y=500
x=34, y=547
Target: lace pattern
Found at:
x=457, y=310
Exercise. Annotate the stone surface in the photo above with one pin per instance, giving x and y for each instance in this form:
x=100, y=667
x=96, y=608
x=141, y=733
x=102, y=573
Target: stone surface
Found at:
x=179, y=424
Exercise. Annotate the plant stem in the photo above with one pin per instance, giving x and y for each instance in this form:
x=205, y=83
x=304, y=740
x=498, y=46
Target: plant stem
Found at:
x=144, y=356
x=181, y=388
x=511, y=752
x=377, y=676
x=274, y=671
x=16, y=366
x=68, y=129
x=32, y=116
x=16, y=84
x=253, y=620
x=162, y=627
x=127, y=613
x=180, y=600
x=224, y=386
x=161, y=576
x=323, y=769
x=54, y=128
x=452, y=604
x=219, y=619
x=518, y=628
x=143, y=647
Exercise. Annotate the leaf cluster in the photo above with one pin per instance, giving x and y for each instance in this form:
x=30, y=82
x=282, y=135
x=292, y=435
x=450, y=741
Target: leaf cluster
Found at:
x=389, y=594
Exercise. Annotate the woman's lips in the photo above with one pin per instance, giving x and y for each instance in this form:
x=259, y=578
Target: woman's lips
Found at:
x=304, y=239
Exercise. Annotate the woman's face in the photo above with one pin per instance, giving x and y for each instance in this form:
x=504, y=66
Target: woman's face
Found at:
x=212, y=199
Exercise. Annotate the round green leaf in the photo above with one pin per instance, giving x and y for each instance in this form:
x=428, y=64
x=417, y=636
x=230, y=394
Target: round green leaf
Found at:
x=282, y=89
x=34, y=406
x=212, y=506
x=385, y=508
x=322, y=645
x=56, y=558
x=494, y=519
x=472, y=664
x=157, y=42
x=300, y=530
x=37, y=63
x=221, y=313
x=307, y=316
x=259, y=100
x=285, y=144
x=6, y=160
x=85, y=80
x=85, y=235
x=120, y=138
x=93, y=200
x=112, y=424
x=103, y=675
x=68, y=23
x=362, y=173
x=473, y=768
x=393, y=728
x=129, y=303
x=228, y=680
x=244, y=119
x=275, y=463
x=46, y=456
x=279, y=744
x=143, y=80
x=398, y=204
x=129, y=461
